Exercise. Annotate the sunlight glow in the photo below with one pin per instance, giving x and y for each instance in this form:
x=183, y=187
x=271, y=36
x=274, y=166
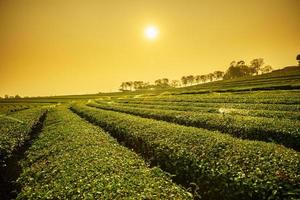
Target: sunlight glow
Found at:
x=151, y=32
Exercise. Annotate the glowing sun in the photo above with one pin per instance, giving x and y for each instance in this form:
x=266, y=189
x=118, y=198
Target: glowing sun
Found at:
x=151, y=32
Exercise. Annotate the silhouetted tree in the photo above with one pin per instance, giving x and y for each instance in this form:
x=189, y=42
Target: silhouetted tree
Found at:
x=147, y=86
x=211, y=76
x=137, y=85
x=190, y=79
x=198, y=78
x=203, y=78
x=165, y=81
x=237, y=69
x=184, y=80
x=266, y=69
x=298, y=58
x=219, y=74
x=162, y=83
x=129, y=85
x=175, y=83
x=256, y=64
x=123, y=86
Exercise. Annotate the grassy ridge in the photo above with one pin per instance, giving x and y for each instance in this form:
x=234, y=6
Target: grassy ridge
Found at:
x=274, y=80
x=285, y=132
x=73, y=159
x=219, y=166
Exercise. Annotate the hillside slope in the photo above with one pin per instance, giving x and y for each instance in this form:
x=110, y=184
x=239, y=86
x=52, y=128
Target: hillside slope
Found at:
x=279, y=79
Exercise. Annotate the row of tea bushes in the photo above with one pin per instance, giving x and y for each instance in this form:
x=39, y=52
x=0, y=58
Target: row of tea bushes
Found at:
x=73, y=159
x=232, y=111
x=216, y=165
x=274, y=97
x=247, y=106
x=10, y=108
x=285, y=132
x=15, y=130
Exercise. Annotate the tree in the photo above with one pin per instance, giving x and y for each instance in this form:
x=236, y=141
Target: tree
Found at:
x=17, y=96
x=137, y=85
x=190, y=79
x=237, y=69
x=165, y=81
x=123, y=86
x=157, y=82
x=240, y=63
x=162, y=83
x=266, y=69
x=175, y=83
x=219, y=74
x=256, y=65
x=147, y=86
x=298, y=58
x=6, y=96
x=198, y=78
x=184, y=80
x=211, y=76
x=129, y=85
x=203, y=78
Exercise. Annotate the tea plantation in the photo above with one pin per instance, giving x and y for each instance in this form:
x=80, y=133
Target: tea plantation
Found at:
x=180, y=144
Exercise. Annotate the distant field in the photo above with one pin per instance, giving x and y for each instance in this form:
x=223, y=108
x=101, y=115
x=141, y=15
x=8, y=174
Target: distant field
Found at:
x=237, y=139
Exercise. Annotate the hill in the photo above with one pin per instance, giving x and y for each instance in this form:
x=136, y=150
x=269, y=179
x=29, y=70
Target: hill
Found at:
x=287, y=78
x=284, y=79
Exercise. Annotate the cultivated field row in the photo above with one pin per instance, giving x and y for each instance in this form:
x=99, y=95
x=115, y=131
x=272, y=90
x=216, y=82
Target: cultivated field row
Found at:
x=248, y=106
x=279, y=97
x=72, y=159
x=15, y=130
x=7, y=109
x=218, y=166
x=285, y=132
x=293, y=115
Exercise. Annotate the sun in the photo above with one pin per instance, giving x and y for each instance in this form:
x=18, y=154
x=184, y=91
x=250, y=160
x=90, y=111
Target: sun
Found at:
x=151, y=32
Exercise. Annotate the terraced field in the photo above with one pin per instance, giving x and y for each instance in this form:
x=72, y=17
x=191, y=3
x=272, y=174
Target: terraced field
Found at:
x=229, y=145
x=18, y=125
x=73, y=159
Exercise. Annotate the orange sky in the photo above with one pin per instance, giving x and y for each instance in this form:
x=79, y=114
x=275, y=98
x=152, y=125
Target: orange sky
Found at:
x=54, y=47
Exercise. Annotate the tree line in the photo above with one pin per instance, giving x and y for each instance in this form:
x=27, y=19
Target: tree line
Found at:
x=11, y=97
x=236, y=69
x=241, y=69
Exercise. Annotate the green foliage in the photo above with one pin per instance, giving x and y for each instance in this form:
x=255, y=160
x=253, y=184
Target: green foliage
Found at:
x=15, y=130
x=286, y=132
x=73, y=159
x=245, y=106
x=279, y=79
x=266, y=97
x=10, y=108
x=214, y=109
x=216, y=165
x=265, y=100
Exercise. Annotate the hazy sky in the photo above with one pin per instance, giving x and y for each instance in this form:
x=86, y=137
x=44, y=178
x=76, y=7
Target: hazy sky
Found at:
x=53, y=47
